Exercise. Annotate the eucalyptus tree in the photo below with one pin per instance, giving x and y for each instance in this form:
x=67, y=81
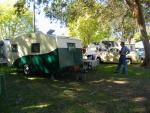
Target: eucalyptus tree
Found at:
x=126, y=25
x=83, y=20
x=86, y=29
x=11, y=25
x=136, y=9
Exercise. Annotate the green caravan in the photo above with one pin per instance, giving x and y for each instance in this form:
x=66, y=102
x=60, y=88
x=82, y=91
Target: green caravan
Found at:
x=40, y=53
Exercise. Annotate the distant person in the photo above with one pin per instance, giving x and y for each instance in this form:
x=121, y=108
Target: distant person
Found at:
x=122, y=59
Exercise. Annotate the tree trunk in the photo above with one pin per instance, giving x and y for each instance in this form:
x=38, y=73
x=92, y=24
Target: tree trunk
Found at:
x=136, y=9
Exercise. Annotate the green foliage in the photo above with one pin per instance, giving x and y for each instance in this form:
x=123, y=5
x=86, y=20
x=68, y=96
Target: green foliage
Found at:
x=11, y=25
x=86, y=28
x=137, y=36
x=110, y=15
x=83, y=20
x=146, y=11
x=19, y=5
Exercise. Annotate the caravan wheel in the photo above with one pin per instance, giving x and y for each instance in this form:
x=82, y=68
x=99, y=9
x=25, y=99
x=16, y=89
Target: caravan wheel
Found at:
x=26, y=69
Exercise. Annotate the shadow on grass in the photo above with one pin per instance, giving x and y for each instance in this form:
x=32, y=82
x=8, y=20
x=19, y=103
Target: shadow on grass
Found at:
x=101, y=93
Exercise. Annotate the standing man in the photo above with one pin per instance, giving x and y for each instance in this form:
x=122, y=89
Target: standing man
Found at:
x=122, y=59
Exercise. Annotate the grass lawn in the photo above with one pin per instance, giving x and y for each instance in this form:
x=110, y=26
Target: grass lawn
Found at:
x=102, y=92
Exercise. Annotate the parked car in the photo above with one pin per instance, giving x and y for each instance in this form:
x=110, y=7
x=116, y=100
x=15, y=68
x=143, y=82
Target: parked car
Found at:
x=141, y=53
x=111, y=55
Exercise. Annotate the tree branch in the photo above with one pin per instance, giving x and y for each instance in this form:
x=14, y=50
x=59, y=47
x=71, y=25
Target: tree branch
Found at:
x=130, y=4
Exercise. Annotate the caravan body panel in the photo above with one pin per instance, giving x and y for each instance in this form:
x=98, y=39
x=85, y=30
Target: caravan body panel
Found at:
x=44, y=53
x=69, y=51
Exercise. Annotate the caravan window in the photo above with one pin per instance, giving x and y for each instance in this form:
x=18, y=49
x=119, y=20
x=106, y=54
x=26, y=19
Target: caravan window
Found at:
x=35, y=48
x=14, y=48
x=71, y=46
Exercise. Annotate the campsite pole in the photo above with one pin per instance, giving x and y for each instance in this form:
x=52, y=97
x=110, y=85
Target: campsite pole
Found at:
x=33, y=15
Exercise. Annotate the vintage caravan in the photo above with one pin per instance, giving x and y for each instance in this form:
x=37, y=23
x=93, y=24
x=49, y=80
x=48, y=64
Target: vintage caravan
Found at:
x=37, y=52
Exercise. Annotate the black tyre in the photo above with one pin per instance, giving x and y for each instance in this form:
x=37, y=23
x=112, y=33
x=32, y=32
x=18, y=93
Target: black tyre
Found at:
x=99, y=60
x=26, y=69
x=128, y=61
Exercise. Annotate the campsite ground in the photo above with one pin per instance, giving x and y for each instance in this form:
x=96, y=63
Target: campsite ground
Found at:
x=102, y=92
